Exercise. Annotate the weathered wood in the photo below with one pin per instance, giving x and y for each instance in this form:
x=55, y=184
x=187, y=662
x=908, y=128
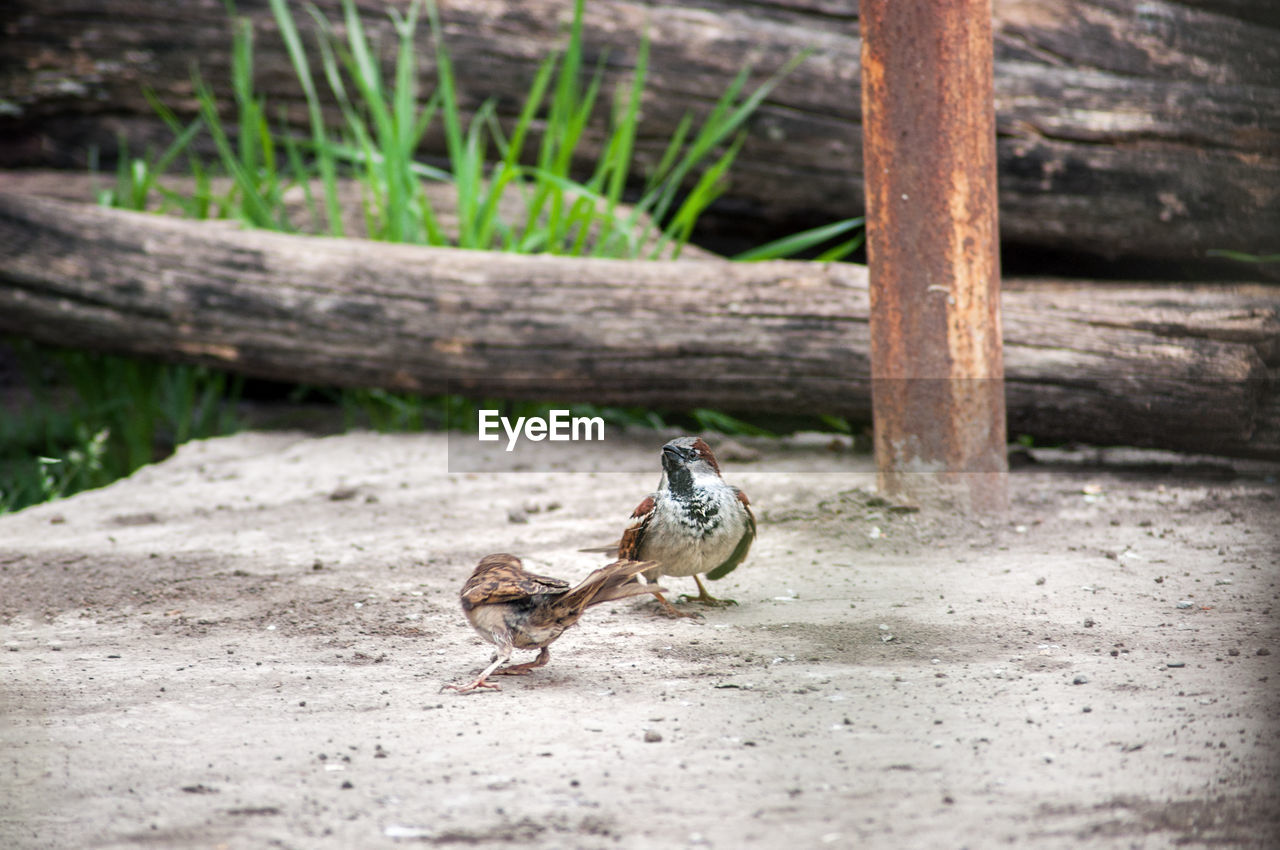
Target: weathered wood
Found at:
x=1173, y=367
x=1139, y=130
x=352, y=200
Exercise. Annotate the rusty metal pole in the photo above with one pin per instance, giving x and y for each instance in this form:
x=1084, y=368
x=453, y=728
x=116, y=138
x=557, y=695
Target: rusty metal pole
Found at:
x=929, y=155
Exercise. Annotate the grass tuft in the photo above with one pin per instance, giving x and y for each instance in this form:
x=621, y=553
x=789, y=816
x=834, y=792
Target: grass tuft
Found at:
x=114, y=414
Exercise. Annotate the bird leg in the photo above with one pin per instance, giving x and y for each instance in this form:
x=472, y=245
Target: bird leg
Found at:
x=672, y=611
x=544, y=655
x=479, y=682
x=706, y=598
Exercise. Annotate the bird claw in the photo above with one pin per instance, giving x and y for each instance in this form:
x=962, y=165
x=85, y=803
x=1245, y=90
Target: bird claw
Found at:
x=666, y=609
x=470, y=686
x=709, y=601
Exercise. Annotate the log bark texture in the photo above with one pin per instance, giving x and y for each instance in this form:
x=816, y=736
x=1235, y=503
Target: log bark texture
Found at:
x=1126, y=129
x=1191, y=368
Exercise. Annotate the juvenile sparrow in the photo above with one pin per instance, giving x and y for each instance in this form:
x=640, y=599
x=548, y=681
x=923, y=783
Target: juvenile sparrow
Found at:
x=516, y=609
x=694, y=523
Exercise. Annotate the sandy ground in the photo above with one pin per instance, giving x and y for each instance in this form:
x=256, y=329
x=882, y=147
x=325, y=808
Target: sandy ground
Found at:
x=244, y=646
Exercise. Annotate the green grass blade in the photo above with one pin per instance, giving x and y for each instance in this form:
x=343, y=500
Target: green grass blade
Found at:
x=183, y=135
x=460, y=155
x=715, y=420
x=319, y=135
x=254, y=209
x=529, y=110
x=797, y=243
x=1243, y=256
x=622, y=146
x=669, y=154
x=302, y=175
x=838, y=252
x=709, y=187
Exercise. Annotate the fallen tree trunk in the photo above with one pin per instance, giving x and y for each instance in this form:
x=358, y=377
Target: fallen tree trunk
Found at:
x=1180, y=367
x=1123, y=132
x=352, y=200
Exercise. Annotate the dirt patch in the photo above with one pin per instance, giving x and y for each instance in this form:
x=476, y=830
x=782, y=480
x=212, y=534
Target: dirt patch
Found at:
x=244, y=646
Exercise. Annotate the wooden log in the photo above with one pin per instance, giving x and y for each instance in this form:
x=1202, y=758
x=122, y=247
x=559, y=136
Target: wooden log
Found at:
x=1181, y=367
x=1150, y=131
x=352, y=200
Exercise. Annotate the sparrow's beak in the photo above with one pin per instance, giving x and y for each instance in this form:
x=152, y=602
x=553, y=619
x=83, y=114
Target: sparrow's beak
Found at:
x=672, y=459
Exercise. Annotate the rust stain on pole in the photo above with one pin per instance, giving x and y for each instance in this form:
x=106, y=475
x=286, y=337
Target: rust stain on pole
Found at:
x=933, y=247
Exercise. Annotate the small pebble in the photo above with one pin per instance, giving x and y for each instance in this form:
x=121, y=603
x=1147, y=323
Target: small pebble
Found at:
x=652, y=736
x=1176, y=664
x=1089, y=622
x=1264, y=651
x=1233, y=652
x=517, y=515
x=1087, y=709
x=1185, y=603
x=1080, y=680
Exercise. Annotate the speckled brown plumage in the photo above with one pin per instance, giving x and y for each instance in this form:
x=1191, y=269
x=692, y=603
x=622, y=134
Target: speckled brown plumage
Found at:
x=516, y=609
x=501, y=578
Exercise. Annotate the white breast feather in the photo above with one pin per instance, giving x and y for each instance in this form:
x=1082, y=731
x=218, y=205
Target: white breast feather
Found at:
x=696, y=548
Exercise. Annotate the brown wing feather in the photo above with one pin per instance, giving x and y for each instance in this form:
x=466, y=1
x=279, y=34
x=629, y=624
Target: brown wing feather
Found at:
x=502, y=578
x=633, y=536
x=739, y=553
x=746, y=503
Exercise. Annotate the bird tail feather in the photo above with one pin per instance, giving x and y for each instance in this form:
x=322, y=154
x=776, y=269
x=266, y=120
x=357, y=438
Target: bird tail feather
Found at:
x=610, y=583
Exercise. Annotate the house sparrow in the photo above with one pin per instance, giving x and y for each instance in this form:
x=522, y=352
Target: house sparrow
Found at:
x=694, y=523
x=516, y=609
